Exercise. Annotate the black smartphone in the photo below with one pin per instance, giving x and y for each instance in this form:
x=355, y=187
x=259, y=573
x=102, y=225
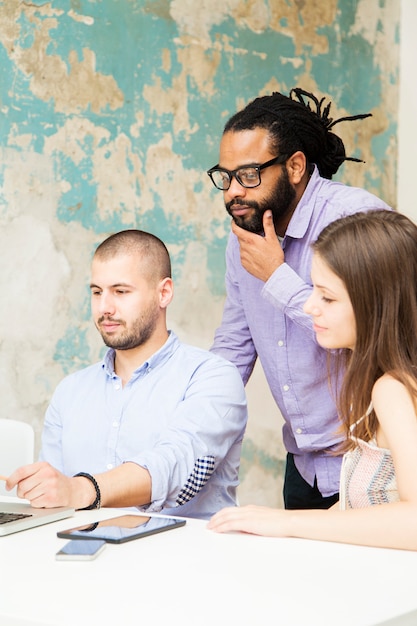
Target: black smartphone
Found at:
x=80, y=550
x=123, y=528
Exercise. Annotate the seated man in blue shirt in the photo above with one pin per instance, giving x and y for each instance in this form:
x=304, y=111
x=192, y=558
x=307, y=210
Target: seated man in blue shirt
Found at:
x=157, y=424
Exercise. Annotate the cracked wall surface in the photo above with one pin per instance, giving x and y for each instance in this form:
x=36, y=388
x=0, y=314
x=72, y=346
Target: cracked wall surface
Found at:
x=110, y=113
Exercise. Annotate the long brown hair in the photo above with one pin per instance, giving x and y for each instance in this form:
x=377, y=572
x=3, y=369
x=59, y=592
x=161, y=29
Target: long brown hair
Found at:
x=375, y=255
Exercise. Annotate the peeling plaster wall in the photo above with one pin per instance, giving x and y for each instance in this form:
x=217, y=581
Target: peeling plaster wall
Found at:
x=110, y=113
x=407, y=127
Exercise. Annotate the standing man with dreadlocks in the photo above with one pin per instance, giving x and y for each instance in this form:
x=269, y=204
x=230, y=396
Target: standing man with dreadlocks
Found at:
x=277, y=157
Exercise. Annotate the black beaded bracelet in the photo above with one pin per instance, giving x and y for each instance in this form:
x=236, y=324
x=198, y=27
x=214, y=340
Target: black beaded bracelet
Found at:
x=97, y=502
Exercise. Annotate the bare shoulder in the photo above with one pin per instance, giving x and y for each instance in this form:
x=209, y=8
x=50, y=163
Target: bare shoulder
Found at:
x=390, y=397
x=395, y=410
x=388, y=384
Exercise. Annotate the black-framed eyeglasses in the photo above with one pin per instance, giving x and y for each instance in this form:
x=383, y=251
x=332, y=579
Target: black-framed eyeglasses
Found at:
x=246, y=175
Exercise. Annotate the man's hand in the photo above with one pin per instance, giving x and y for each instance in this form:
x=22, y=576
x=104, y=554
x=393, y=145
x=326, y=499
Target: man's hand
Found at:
x=260, y=256
x=127, y=485
x=44, y=486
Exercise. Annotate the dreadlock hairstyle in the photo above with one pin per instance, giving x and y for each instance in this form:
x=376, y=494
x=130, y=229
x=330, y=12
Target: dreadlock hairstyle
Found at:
x=293, y=125
x=375, y=255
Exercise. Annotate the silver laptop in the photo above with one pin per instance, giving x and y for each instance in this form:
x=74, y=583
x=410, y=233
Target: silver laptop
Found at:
x=15, y=516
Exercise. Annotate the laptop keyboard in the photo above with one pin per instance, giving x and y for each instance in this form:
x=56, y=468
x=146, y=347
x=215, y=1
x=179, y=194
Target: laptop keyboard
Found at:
x=5, y=518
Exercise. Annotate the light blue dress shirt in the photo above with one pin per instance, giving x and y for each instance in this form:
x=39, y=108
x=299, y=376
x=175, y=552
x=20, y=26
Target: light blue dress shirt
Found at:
x=182, y=416
x=267, y=320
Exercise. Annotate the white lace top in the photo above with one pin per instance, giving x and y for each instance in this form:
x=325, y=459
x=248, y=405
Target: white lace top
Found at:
x=367, y=476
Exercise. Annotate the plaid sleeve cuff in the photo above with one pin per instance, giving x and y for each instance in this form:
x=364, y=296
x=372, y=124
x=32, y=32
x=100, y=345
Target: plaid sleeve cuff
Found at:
x=203, y=469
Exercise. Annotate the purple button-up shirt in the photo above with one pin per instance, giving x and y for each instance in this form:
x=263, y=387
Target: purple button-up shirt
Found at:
x=267, y=320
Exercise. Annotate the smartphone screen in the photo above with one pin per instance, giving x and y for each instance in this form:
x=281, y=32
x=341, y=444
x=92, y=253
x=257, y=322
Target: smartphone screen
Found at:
x=123, y=528
x=80, y=550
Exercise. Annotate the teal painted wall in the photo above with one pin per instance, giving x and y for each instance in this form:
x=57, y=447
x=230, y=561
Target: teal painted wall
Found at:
x=110, y=113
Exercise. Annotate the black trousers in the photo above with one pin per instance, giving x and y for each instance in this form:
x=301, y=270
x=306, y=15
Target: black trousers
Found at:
x=298, y=494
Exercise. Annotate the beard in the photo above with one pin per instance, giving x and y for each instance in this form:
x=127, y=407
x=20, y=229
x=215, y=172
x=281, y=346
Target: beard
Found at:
x=140, y=332
x=279, y=202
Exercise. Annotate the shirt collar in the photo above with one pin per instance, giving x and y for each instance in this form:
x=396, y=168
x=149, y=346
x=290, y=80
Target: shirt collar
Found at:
x=300, y=219
x=158, y=358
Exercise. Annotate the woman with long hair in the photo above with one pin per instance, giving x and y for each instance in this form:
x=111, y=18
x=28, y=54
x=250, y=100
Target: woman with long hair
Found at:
x=364, y=311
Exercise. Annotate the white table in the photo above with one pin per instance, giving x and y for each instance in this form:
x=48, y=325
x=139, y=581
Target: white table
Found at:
x=193, y=577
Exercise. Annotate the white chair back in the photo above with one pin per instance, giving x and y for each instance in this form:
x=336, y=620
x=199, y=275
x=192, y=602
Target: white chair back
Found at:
x=17, y=444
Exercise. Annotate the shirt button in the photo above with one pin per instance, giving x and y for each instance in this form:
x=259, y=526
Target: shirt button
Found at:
x=109, y=466
x=115, y=424
x=117, y=386
x=280, y=343
x=299, y=431
x=285, y=387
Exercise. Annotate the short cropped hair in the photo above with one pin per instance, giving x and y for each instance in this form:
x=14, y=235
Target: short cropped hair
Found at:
x=152, y=251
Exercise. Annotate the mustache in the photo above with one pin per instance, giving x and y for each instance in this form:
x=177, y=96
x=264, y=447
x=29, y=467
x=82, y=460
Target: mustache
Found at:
x=239, y=202
x=106, y=318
